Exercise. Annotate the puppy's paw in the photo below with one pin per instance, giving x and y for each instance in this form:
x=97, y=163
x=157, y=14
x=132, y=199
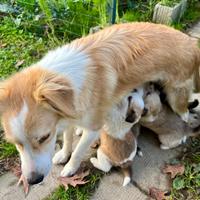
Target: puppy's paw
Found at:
x=184, y=139
x=69, y=170
x=79, y=131
x=163, y=147
x=60, y=157
x=127, y=180
x=185, y=116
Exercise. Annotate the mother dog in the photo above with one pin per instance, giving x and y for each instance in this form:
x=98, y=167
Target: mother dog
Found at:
x=77, y=84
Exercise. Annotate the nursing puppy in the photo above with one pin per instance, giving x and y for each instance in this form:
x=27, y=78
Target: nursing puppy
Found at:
x=158, y=117
x=118, y=143
x=79, y=83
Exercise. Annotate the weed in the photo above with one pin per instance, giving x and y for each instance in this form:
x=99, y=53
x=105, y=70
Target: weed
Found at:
x=80, y=192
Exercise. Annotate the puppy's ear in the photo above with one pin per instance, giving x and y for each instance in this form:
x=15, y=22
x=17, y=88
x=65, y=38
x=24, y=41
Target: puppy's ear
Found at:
x=55, y=93
x=193, y=104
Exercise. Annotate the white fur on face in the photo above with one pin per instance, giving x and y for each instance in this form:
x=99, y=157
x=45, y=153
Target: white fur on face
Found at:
x=39, y=162
x=17, y=124
x=69, y=62
x=32, y=160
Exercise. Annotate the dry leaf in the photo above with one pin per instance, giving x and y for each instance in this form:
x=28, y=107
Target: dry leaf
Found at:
x=25, y=184
x=19, y=63
x=3, y=45
x=75, y=180
x=174, y=170
x=157, y=194
x=22, y=180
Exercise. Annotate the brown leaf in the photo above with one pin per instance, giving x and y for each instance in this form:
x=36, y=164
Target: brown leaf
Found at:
x=19, y=63
x=23, y=181
x=157, y=194
x=3, y=45
x=75, y=180
x=174, y=170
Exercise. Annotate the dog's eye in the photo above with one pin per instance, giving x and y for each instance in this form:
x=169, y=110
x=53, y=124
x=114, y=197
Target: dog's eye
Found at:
x=44, y=138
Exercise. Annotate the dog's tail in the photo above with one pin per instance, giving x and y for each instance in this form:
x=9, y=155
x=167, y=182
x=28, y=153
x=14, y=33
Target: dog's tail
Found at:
x=127, y=171
x=196, y=72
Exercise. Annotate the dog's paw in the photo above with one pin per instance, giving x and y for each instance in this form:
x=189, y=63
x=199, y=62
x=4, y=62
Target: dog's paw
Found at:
x=163, y=147
x=185, y=116
x=69, y=170
x=60, y=157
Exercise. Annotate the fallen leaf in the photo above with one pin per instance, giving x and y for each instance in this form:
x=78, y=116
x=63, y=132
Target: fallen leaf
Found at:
x=77, y=179
x=19, y=63
x=174, y=170
x=23, y=181
x=16, y=170
x=3, y=45
x=157, y=194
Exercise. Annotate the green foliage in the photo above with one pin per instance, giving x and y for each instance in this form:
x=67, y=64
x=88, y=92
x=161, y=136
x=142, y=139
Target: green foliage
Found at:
x=17, y=45
x=140, y=11
x=170, y=3
x=188, y=184
x=80, y=192
x=7, y=150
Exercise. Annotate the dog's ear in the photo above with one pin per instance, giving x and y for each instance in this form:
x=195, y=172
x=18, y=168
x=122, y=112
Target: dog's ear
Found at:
x=55, y=93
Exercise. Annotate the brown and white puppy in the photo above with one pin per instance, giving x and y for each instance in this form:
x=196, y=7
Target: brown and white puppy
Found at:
x=79, y=83
x=118, y=143
x=171, y=130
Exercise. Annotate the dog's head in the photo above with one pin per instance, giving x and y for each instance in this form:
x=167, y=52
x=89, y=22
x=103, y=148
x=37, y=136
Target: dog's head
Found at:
x=135, y=106
x=152, y=103
x=31, y=104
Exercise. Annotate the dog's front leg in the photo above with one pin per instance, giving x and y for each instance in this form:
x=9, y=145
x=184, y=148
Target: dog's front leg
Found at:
x=63, y=155
x=86, y=140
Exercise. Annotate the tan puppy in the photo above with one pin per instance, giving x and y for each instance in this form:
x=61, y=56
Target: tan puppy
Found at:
x=79, y=83
x=118, y=142
x=171, y=130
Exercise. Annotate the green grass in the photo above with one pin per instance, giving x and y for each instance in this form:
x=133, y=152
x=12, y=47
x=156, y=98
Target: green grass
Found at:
x=169, y=3
x=16, y=45
x=187, y=186
x=83, y=192
x=7, y=150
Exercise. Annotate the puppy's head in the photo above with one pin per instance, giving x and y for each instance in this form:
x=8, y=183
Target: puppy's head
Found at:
x=31, y=104
x=152, y=103
x=135, y=106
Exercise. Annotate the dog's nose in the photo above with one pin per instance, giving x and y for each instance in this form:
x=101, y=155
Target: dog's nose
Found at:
x=145, y=111
x=35, y=178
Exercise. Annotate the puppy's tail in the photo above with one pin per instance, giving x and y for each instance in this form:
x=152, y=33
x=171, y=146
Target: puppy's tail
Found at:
x=127, y=171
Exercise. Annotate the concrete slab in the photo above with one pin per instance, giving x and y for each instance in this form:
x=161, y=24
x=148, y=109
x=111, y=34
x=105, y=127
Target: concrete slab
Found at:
x=146, y=172
x=195, y=30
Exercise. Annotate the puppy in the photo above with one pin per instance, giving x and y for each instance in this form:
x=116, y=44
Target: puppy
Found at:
x=158, y=117
x=79, y=83
x=118, y=142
